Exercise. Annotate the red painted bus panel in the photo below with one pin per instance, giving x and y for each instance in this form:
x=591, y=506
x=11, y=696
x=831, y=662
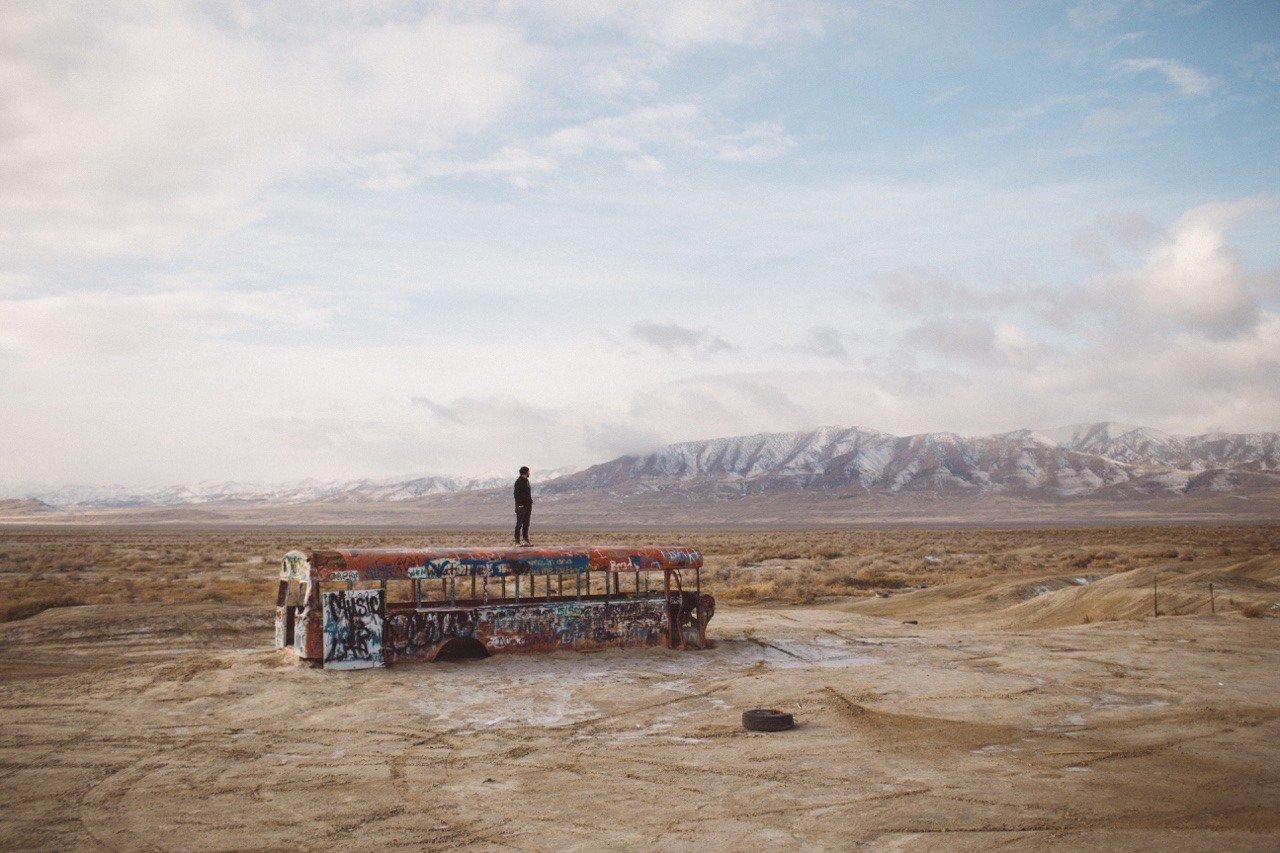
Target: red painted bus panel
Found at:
x=378, y=564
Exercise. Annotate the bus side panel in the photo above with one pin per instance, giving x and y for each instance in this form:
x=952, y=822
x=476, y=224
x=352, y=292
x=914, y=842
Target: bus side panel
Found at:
x=572, y=624
x=414, y=634
x=353, y=620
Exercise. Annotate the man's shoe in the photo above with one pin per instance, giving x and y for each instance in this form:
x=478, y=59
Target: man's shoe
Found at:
x=526, y=543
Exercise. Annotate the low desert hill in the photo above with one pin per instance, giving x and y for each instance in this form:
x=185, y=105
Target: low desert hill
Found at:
x=1056, y=600
x=23, y=507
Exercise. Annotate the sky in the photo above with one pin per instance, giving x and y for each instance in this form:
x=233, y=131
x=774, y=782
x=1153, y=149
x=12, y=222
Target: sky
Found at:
x=273, y=240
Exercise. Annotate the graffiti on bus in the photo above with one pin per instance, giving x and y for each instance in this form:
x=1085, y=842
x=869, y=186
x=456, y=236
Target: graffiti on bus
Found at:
x=353, y=628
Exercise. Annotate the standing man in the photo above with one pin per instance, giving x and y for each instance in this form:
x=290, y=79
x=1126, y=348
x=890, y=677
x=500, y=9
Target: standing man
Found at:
x=524, y=507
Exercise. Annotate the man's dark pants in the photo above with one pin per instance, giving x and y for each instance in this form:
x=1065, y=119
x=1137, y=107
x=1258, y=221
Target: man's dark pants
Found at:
x=522, y=522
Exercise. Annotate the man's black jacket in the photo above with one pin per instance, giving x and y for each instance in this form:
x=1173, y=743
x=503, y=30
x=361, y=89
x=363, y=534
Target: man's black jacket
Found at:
x=524, y=495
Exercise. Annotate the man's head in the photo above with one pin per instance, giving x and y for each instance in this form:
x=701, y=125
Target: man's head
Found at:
x=524, y=471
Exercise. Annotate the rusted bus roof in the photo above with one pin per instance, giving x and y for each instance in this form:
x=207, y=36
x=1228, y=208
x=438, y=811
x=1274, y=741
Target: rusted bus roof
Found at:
x=376, y=564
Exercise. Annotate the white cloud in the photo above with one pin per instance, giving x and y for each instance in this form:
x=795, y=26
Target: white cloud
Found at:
x=1194, y=277
x=630, y=138
x=947, y=94
x=278, y=239
x=825, y=342
x=674, y=339
x=1016, y=346
x=1183, y=382
x=612, y=439
x=1263, y=60
x=709, y=406
x=135, y=128
x=756, y=143
x=966, y=338
x=916, y=289
x=1094, y=13
x=622, y=76
x=394, y=171
x=676, y=127
x=15, y=284
x=1191, y=82
x=683, y=24
x=921, y=291
x=101, y=324
x=452, y=438
x=132, y=127
x=1143, y=119
x=445, y=413
x=645, y=163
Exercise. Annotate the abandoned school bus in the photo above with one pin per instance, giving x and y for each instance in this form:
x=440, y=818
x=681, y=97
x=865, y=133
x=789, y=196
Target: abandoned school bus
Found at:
x=350, y=609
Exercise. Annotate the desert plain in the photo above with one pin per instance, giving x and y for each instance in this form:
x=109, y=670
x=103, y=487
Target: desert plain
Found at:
x=954, y=688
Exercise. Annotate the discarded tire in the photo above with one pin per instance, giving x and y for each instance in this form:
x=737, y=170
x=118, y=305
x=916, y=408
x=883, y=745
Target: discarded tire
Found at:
x=767, y=720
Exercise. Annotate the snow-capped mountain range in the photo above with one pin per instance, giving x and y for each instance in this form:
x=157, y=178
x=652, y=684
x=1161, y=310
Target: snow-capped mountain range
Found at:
x=1100, y=459
x=1072, y=461
x=231, y=492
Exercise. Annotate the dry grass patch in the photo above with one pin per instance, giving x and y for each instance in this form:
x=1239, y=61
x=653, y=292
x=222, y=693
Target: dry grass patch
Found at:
x=44, y=567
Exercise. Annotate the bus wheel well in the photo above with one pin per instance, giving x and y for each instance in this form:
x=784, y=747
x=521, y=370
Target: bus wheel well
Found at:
x=458, y=648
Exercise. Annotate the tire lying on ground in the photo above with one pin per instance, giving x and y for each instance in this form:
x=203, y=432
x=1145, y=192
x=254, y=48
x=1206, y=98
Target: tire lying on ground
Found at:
x=767, y=720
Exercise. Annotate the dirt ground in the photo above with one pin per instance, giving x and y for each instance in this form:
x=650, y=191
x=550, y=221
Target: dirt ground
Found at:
x=1036, y=704
x=129, y=728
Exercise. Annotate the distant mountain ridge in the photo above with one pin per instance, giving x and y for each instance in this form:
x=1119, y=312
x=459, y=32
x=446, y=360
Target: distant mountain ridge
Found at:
x=232, y=492
x=1107, y=460
x=1085, y=459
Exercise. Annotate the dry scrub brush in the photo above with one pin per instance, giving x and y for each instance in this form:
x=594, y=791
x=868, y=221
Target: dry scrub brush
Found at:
x=44, y=567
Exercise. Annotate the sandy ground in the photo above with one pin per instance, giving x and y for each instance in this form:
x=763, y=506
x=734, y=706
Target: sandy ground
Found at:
x=127, y=727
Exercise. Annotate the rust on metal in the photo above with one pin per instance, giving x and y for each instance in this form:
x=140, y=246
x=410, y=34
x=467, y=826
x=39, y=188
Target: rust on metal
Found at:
x=438, y=603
